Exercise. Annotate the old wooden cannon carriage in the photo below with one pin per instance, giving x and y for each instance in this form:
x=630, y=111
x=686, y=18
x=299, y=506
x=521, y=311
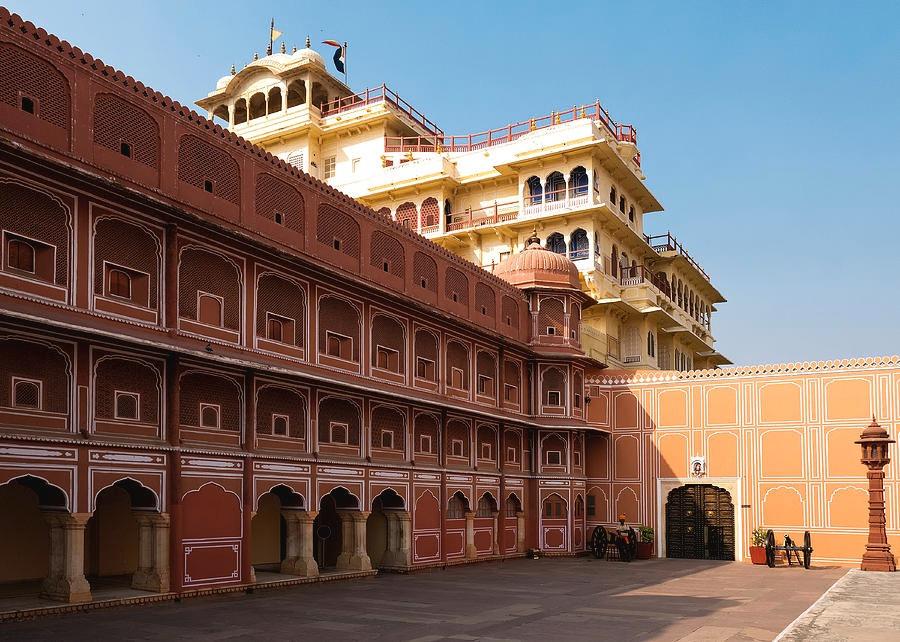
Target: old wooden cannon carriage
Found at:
x=790, y=549
x=610, y=544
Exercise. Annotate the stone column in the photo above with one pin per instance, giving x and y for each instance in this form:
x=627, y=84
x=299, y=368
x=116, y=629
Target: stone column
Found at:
x=65, y=581
x=495, y=516
x=152, y=573
x=291, y=540
x=470, y=536
x=359, y=560
x=520, y=532
x=347, y=532
x=306, y=564
x=403, y=556
x=390, y=554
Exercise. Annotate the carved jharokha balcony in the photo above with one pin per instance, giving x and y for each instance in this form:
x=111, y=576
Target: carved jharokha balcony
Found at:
x=490, y=215
x=440, y=142
x=664, y=243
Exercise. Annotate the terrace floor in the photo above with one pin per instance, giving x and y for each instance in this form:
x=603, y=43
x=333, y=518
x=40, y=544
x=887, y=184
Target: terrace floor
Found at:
x=546, y=599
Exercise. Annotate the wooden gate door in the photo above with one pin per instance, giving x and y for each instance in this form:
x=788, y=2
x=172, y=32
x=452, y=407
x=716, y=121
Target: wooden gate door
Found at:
x=700, y=523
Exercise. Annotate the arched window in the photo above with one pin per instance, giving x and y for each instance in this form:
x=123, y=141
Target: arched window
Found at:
x=613, y=197
x=221, y=112
x=457, y=507
x=26, y=393
x=209, y=416
x=275, y=329
x=296, y=93
x=486, y=506
x=651, y=344
x=274, y=101
x=614, y=261
x=578, y=245
x=240, y=111
x=513, y=506
x=257, y=105
x=578, y=182
x=119, y=284
x=408, y=215
x=535, y=192
x=555, y=187
x=209, y=309
x=20, y=256
x=556, y=243
x=554, y=507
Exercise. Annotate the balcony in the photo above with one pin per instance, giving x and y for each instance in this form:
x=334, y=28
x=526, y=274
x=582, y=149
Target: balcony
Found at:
x=556, y=201
x=665, y=243
x=381, y=95
x=490, y=215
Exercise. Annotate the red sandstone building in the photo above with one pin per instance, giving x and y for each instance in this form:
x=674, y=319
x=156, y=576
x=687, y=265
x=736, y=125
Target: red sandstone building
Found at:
x=211, y=362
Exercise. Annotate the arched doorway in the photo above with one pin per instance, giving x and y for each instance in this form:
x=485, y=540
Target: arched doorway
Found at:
x=485, y=525
x=383, y=529
x=700, y=523
x=268, y=528
x=555, y=523
x=328, y=529
x=113, y=534
x=24, y=530
x=513, y=529
x=579, y=528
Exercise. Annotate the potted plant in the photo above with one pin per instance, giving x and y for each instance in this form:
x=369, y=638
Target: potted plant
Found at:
x=645, y=545
x=758, y=547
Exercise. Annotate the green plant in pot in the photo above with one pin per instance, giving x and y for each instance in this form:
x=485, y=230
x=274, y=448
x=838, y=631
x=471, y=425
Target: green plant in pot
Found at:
x=645, y=545
x=758, y=546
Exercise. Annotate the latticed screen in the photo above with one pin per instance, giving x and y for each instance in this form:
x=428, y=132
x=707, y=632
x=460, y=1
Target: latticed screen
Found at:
x=338, y=230
x=408, y=215
x=459, y=431
x=27, y=360
x=456, y=507
x=279, y=202
x=117, y=122
x=24, y=74
x=486, y=506
x=425, y=272
x=392, y=421
x=457, y=286
x=458, y=358
x=125, y=375
x=277, y=295
x=203, y=271
x=209, y=168
x=37, y=216
x=388, y=333
x=387, y=254
x=430, y=212
x=122, y=243
x=208, y=389
x=484, y=300
x=426, y=426
x=275, y=400
x=341, y=411
x=338, y=317
x=510, y=312
x=553, y=380
x=551, y=315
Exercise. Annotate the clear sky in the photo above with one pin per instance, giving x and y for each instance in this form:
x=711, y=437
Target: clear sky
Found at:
x=770, y=131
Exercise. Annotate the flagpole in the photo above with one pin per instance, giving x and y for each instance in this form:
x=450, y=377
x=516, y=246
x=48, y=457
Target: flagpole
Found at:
x=271, y=32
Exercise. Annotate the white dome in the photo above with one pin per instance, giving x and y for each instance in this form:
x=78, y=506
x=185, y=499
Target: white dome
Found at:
x=223, y=81
x=308, y=54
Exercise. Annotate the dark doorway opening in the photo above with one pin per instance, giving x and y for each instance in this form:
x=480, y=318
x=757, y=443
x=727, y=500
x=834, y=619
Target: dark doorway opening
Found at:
x=700, y=523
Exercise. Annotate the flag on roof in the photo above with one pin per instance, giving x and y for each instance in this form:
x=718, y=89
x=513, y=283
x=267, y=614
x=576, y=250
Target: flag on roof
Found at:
x=339, y=54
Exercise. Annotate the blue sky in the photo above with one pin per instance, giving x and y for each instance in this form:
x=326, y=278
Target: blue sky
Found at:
x=770, y=131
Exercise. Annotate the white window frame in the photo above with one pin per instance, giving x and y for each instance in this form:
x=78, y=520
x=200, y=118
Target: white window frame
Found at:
x=329, y=167
x=550, y=394
x=481, y=378
x=218, y=408
x=137, y=405
x=433, y=368
x=462, y=378
x=490, y=449
x=386, y=433
x=221, y=299
x=462, y=448
x=345, y=426
x=40, y=386
x=558, y=456
x=328, y=335
x=287, y=424
x=389, y=352
x=550, y=331
x=422, y=448
x=284, y=321
x=24, y=274
x=512, y=455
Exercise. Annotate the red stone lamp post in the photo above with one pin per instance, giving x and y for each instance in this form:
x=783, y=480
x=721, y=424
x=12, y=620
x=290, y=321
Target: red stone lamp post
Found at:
x=874, y=442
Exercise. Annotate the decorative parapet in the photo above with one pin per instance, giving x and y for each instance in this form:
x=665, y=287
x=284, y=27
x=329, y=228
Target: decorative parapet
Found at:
x=769, y=369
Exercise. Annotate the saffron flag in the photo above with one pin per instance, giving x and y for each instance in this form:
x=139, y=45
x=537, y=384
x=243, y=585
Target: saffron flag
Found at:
x=339, y=54
x=275, y=34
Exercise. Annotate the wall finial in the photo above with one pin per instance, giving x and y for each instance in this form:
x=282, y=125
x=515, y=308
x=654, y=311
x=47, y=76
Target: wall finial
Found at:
x=233, y=70
x=255, y=55
x=308, y=42
x=283, y=47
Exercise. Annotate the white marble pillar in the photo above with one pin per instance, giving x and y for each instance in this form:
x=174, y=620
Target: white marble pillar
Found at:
x=152, y=573
x=359, y=560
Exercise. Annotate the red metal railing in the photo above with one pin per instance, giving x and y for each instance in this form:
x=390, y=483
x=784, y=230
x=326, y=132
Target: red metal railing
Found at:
x=490, y=215
x=636, y=274
x=668, y=243
x=379, y=95
x=471, y=142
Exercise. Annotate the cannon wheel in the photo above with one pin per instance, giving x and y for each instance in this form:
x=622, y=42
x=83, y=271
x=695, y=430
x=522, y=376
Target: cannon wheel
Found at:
x=807, y=549
x=599, y=542
x=770, y=549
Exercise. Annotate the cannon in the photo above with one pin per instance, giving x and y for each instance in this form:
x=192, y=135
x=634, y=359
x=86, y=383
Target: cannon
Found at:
x=610, y=544
x=791, y=550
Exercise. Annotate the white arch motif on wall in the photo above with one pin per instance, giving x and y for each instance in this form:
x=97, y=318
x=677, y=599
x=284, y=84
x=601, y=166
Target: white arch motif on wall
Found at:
x=803, y=506
x=850, y=487
x=46, y=481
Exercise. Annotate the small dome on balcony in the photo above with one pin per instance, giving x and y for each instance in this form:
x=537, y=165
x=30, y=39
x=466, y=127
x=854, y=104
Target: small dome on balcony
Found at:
x=536, y=266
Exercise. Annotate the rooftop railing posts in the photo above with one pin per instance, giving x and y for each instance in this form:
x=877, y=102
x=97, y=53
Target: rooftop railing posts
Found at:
x=668, y=243
x=378, y=95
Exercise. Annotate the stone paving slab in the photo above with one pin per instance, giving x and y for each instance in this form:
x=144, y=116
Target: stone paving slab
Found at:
x=861, y=607
x=548, y=599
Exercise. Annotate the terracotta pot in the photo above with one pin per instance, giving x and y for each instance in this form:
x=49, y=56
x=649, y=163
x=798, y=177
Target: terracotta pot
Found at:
x=645, y=550
x=758, y=554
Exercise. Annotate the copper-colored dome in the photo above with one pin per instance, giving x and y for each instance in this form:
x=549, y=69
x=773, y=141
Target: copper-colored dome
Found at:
x=536, y=266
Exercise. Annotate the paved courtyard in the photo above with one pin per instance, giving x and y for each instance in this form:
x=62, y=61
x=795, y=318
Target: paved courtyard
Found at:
x=548, y=599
